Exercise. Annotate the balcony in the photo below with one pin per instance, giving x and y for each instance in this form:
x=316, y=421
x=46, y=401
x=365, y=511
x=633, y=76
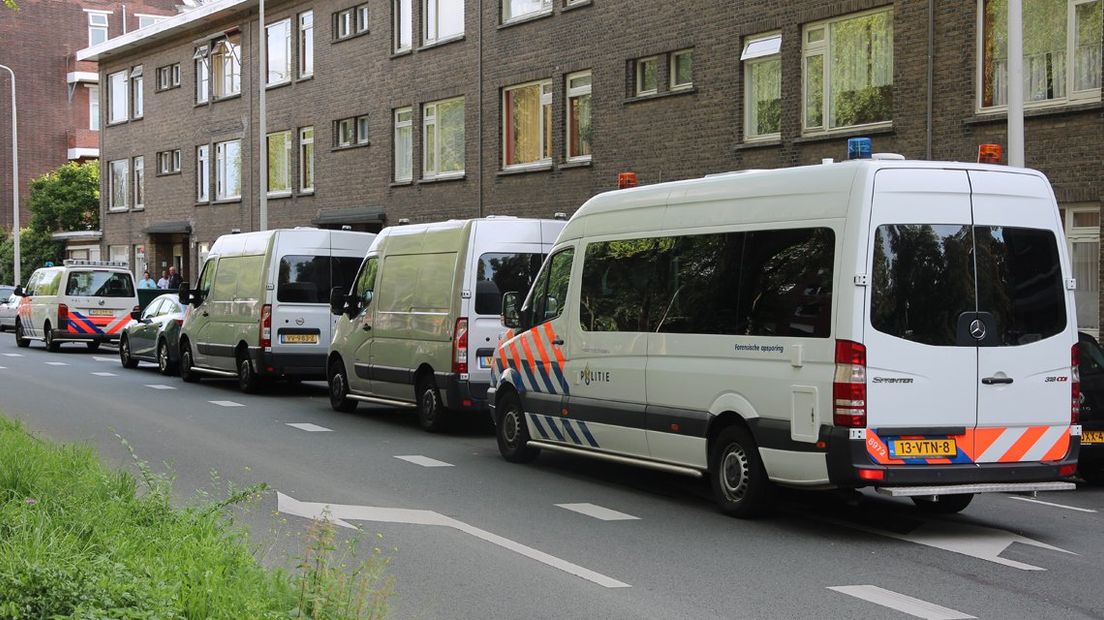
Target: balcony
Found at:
x=83, y=143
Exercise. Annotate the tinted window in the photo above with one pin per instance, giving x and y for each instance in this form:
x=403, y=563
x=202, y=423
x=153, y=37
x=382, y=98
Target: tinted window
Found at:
x=499, y=274
x=366, y=282
x=207, y=277
x=549, y=293
x=308, y=279
x=617, y=291
x=153, y=309
x=99, y=284
x=786, y=283
x=1020, y=283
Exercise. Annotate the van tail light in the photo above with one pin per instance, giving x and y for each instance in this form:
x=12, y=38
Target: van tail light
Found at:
x=266, y=326
x=1075, y=385
x=460, y=346
x=849, y=385
x=63, y=317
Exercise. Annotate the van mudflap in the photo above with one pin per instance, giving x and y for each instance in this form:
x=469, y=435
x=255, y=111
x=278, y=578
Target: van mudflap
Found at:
x=958, y=489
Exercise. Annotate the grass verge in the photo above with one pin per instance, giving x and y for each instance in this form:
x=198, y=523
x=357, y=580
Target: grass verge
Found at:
x=78, y=540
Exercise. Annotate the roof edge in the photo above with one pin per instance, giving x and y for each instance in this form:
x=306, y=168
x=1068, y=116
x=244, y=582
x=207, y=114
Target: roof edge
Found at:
x=160, y=31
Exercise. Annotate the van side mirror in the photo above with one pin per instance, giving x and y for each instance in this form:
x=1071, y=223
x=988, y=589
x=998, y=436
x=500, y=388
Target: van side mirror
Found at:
x=135, y=314
x=510, y=315
x=337, y=300
x=19, y=292
x=184, y=295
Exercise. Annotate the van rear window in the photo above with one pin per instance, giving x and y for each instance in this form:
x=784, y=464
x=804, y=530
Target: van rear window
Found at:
x=308, y=279
x=924, y=280
x=501, y=273
x=99, y=284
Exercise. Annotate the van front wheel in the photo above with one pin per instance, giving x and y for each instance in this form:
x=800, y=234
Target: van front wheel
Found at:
x=339, y=389
x=512, y=431
x=187, y=373
x=432, y=415
x=944, y=504
x=740, y=484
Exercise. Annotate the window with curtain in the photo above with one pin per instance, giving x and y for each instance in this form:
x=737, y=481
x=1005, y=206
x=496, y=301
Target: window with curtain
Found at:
x=1062, y=51
x=848, y=66
x=527, y=120
x=279, y=162
x=226, y=62
x=443, y=138
x=119, y=171
x=762, y=86
x=579, y=130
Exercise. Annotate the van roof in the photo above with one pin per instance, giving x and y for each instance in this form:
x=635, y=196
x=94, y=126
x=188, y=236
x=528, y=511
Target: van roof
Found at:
x=823, y=191
x=257, y=242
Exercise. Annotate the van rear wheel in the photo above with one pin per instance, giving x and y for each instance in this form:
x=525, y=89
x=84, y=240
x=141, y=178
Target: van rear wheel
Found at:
x=740, y=484
x=432, y=414
x=248, y=380
x=944, y=504
x=511, y=430
x=339, y=388
x=51, y=345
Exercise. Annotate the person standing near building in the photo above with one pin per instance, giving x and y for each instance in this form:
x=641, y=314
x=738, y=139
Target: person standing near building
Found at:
x=174, y=278
x=164, y=281
x=146, y=281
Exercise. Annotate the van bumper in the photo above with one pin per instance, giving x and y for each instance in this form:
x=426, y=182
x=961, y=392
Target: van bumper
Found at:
x=463, y=394
x=68, y=336
x=307, y=366
x=847, y=457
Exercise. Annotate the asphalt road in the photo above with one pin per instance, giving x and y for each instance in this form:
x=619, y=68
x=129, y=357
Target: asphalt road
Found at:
x=495, y=542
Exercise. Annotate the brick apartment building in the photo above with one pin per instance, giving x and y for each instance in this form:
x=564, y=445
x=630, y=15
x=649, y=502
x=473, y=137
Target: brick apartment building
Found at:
x=57, y=95
x=432, y=109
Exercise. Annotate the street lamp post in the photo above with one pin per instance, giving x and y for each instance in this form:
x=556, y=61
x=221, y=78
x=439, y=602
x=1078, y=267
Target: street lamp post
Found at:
x=262, y=73
x=1015, y=84
x=15, y=181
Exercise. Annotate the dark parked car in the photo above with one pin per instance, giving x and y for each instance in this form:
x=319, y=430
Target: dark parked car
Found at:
x=1091, y=363
x=154, y=335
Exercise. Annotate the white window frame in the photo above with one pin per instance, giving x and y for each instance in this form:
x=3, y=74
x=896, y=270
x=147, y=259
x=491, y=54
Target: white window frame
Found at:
x=1072, y=97
x=770, y=49
x=339, y=132
x=398, y=25
x=114, y=96
x=221, y=168
x=569, y=94
x=545, y=8
x=137, y=87
x=362, y=129
x=399, y=125
x=545, y=88
x=306, y=44
x=114, y=202
x=93, y=107
x=306, y=162
x=435, y=37
x=139, y=179
x=288, y=168
x=269, y=42
x=343, y=25
x=360, y=24
x=203, y=74
x=429, y=123
x=226, y=50
x=155, y=19
x=1082, y=234
x=98, y=21
x=638, y=81
x=671, y=73
x=823, y=48
x=203, y=173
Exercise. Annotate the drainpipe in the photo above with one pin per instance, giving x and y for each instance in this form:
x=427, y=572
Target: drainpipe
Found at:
x=479, y=98
x=124, y=22
x=931, y=70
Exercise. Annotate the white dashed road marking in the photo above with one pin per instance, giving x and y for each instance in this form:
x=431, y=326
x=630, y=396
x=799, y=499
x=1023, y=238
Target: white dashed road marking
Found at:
x=424, y=461
x=310, y=428
x=56, y=364
x=598, y=512
x=13, y=355
x=159, y=386
x=1039, y=501
x=902, y=603
x=105, y=359
x=3, y=367
x=225, y=403
x=105, y=374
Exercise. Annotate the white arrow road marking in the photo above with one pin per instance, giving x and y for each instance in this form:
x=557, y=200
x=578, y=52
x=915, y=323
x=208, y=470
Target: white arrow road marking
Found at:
x=424, y=461
x=225, y=403
x=340, y=515
x=159, y=386
x=598, y=512
x=105, y=374
x=105, y=359
x=307, y=426
x=1039, y=501
x=902, y=603
x=13, y=355
x=56, y=363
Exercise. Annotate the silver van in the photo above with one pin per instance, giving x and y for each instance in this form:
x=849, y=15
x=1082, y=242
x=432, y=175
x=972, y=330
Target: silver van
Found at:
x=259, y=310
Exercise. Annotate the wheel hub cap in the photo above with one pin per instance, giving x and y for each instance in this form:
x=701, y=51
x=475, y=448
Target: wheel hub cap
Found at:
x=734, y=473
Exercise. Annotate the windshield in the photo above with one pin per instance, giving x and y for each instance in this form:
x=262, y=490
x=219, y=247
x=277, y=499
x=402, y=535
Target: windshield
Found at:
x=99, y=284
x=308, y=279
x=5, y=291
x=500, y=274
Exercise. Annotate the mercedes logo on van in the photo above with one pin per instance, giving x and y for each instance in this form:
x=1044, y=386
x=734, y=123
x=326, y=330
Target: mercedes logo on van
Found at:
x=977, y=329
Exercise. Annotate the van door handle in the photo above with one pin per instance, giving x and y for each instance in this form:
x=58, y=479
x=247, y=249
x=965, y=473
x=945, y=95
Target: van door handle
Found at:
x=557, y=341
x=997, y=380
x=205, y=313
x=366, y=328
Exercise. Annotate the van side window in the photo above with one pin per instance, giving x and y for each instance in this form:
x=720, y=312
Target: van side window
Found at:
x=366, y=281
x=786, y=282
x=549, y=293
x=226, y=280
x=32, y=284
x=617, y=289
x=207, y=278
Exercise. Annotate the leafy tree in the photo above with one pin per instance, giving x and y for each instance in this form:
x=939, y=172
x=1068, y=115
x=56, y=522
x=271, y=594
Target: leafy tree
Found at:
x=36, y=248
x=66, y=199
x=11, y=5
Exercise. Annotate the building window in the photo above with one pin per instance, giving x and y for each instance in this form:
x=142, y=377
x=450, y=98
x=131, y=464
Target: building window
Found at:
x=762, y=86
x=203, y=173
x=443, y=138
x=168, y=162
x=351, y=22
x=527, y=124
x=1061, y=51
x=203, y=74
x=145, y=21
x=306, y=44
x=681, y=69
x=443, y=19
x=578, y=116
x=97, y=28
x=404, y=144
x=139, y=182
x=118, y=99
x=94, y=108
x=1082, y=224
x=278, y=57
x=136, y=90
x=226, y=62
x=306, y=159
x=345, y=133
x=848, y=71
x=362, y=18
x=279, y=162
x=119, y=254
x=646, y=81
x=118, y=184
x=168, y=77
x=228, y=170
x=403, y=25
x=519, y=9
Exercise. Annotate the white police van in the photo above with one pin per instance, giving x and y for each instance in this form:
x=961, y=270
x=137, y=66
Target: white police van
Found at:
x=897, y=324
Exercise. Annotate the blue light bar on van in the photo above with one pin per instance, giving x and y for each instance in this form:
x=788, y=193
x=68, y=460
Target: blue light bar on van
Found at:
x=858, y=148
